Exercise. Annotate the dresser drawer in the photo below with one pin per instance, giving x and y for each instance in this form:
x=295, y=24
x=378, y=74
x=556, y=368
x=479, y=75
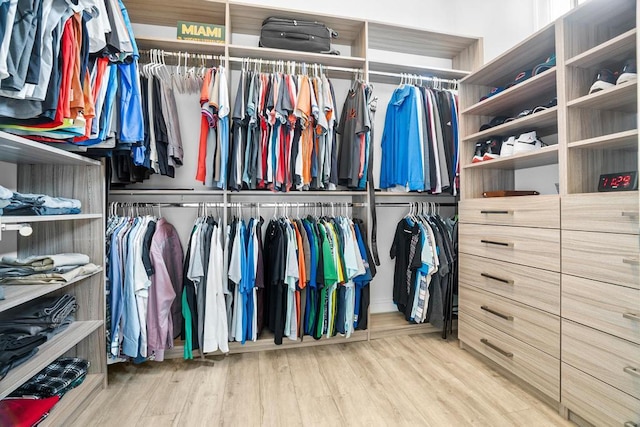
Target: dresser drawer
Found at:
x=607, y=257
x=534, y=327
x=528, y=285
x=535, y=211
x=535, y=367
x=607, y=212
x=534, y=247
x=597, y=402
x=609, y=308
x=610, y=359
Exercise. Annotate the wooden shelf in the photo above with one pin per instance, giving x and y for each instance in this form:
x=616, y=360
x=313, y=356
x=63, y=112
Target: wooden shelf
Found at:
x=544, y=122
x=385, y=325
x=180, y=45
x=19, y=294
x=627, y=140
x=15, y=149
x=47, y=353
x=542, y=157
x=378, y=71
x=384, y=193
x=247, y=19
x=293, y=194
x=602, y=12
x=524, y=56
x=516, y=96
x=615, y=50
x=177, y=192
x=168, y=13
x=413, y=41
x=74, y=402
x=5, y=219
x=265, y=343
x=237, y=51
x=622, y=98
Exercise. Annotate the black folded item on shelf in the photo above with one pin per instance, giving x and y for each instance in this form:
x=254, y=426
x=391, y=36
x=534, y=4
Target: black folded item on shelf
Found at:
x=16, y=348
x=48, y=312
x=56, y=379
x=496, y=121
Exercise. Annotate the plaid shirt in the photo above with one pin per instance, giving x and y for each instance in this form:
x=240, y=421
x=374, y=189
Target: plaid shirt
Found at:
x=56, y=379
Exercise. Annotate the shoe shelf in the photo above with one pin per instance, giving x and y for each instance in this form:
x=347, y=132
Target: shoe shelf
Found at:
x=622, y=98
x=541, y=87
x=68, y=407
x=542, y=157
x=524, y=56
x=617, y=49
x=20, y=294
x=544, y=122
x=47, y=353
x=627, y=140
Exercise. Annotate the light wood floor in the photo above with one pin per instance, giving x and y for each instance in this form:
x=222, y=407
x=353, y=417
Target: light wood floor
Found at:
x=417, y=380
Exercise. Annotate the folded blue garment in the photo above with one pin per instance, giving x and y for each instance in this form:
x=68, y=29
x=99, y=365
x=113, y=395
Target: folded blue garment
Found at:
x=5, y=193
x=27, y=210
x=46, y=201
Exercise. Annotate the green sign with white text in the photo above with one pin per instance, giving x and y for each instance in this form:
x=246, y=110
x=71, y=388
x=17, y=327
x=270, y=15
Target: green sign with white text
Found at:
x=197, y=31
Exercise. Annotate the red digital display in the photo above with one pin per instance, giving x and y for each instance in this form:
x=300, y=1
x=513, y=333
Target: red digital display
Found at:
x=626, y=181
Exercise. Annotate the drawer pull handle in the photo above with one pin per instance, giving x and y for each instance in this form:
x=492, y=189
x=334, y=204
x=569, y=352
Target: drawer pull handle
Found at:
x=631, y=261
x=496, y=348
x=497, y=279
x=496, y=313
x=632, y=371
x=630, y=424
x=630, y=214
x=496, y=212
x=632, y=316
x=491, y=242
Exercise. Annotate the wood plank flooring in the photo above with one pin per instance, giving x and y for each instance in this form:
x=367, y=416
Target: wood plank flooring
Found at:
x=417, y=380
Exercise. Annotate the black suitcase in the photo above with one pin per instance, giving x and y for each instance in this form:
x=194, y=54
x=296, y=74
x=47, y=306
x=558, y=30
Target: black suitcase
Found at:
x=292, y=34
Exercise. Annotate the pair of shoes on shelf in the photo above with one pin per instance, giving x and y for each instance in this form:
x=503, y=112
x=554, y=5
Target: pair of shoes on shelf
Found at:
x=497, y=147
x=499, y=120
x=522, y=76
x=606, y=79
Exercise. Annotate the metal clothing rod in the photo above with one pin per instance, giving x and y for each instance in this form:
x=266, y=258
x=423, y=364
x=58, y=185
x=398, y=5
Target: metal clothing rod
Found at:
x=408, y=204
x=282, y=62
x=237, y=204
x=160, y=53
x=409, y=75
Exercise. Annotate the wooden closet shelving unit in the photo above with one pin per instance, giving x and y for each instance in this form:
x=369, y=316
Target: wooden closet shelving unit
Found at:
x=364, y=45
x=550, y=284
x=47, y=170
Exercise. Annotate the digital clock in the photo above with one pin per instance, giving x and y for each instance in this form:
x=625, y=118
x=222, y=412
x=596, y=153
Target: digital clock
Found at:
x=625, y=181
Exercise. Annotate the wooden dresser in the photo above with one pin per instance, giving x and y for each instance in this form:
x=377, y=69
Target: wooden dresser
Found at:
x=550, y=284
x=510, y=286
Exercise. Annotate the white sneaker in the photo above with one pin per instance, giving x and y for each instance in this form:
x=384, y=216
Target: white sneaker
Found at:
x=507, y=147
x=527, y=142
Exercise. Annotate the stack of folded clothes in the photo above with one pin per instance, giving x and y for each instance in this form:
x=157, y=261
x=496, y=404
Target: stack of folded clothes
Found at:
x=31, y=402
x=5, y=198
x=32, y=325
x=44, y=269
x=18, y=204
